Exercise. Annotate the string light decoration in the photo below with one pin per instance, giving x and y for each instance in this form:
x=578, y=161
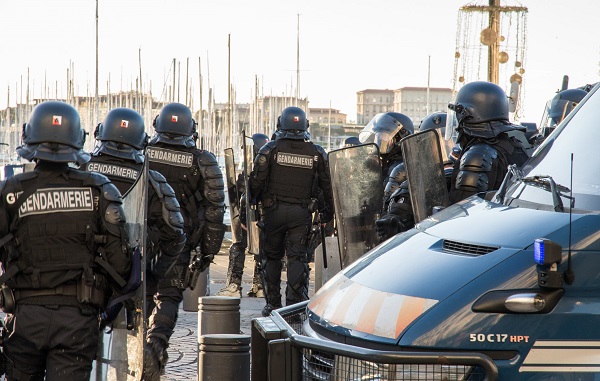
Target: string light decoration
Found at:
x=491, y=45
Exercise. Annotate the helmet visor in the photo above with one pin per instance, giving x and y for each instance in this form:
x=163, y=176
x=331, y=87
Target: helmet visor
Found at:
x=451, y=123
x=381, y=130
x=559, y=109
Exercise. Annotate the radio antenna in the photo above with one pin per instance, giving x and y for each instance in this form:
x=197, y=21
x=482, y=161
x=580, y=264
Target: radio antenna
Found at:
x=569, y=275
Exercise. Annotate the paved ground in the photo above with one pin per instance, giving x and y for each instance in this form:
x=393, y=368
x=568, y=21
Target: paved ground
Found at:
x=183, y=350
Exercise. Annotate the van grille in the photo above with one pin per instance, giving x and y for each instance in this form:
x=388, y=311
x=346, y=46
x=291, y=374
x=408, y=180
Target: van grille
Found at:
x=467, y=248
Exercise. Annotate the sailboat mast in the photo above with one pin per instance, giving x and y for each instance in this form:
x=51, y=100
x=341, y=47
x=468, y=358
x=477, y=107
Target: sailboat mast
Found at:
x=297, y=62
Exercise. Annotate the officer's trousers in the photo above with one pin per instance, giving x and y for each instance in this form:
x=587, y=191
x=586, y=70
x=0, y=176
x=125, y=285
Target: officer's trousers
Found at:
x=163, y=297
x=285, y=231
x=55, y=342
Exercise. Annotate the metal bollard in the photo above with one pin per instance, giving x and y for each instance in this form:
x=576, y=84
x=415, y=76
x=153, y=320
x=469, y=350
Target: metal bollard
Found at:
x=224, y=357
x=218, y=314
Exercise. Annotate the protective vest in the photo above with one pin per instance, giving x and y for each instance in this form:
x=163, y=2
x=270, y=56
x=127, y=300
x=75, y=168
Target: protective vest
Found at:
x=54, y=231
x=122, y=173
x=181, y=169
x=292, y=172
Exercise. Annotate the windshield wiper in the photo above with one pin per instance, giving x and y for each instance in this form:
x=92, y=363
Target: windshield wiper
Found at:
x=557, y=190
x=513, y=175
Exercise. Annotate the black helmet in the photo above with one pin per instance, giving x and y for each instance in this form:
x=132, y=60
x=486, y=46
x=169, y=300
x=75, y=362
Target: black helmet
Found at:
x=292, y=118
x=386, y=130
x=479, y=102
x=54, y=133
x=407, y=123
x=175, y=125
x=259, y=141
x=122, y=134
x=559, y=107
x=436, y=120
x=352, y=141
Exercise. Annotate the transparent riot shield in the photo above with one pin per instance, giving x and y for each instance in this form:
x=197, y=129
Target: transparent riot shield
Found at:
x=425, y=171
x=234, y=197
x=253, y=230
x=121, y=349
x=357, y=185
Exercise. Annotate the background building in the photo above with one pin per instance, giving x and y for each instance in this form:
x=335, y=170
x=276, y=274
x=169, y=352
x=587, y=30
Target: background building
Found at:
x=414, y=102
x=371, y=102
x=418, y=102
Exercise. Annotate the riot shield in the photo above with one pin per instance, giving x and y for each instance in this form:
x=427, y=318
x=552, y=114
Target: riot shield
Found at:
x=253, y=230
x=425, y=171
x=234, y=197
x=121, y=349
x=357, y=185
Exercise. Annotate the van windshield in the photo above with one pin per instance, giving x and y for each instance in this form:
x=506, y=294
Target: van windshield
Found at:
x=578, y=137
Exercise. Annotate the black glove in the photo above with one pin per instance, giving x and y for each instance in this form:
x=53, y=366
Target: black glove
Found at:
x=387, y=227
x=205, y=261
x=155, y=359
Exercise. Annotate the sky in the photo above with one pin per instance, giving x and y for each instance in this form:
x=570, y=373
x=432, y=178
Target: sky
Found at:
x=344, y=46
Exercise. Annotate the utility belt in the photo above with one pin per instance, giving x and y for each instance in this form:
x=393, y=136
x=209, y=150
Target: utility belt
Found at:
x=79, y=292
x=272, y=199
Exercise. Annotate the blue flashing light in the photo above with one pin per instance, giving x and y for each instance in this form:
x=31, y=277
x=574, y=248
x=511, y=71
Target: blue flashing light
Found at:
x=538, y=251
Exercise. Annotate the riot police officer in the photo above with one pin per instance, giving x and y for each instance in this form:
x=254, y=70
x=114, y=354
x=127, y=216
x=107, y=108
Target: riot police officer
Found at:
x=282, y=181
x=237, y=250
x=352, y=141
x=558, y=108
x=198, y=183
x=64, y=251
x=386, y=130
x=486, y=139
x=119, y=155
x=398, y=211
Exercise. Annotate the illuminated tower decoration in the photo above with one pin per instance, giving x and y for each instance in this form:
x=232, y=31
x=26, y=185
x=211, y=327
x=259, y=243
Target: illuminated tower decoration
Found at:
x=490, y=44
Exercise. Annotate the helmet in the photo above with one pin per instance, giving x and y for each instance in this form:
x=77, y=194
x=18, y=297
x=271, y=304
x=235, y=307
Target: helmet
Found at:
x=122, y=134
x=292, y=118
x=259, y=141
x=54, y=133
x=176, y=119
x=352, y=141
x=559, y=107
x=175, y=125
x=434, y=121
x=479, y=102
x=407, y=123
x=385, y=130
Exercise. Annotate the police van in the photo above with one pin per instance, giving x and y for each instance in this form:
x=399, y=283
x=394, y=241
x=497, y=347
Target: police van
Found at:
x=501, y=286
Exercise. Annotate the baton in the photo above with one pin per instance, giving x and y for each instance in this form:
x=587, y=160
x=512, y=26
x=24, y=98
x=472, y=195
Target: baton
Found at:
x=323, y=244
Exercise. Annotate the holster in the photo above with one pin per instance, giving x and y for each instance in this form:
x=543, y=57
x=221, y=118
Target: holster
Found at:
x=7, y=300
x=192, y=272
x=90, y=292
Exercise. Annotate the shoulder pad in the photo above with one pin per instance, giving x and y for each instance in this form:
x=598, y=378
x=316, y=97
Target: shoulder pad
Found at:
x=399, y=173
x=478, y=158
x=114, y=217
x=267, y=148
x=164, y=188
x=111, y=193
x=401, y=191
x=321, y=151
x=26, y=175
x=206, y=158
x=157, y=176
x=89, y=178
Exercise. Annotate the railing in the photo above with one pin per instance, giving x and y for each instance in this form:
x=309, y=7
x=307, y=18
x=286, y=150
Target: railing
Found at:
x=293, y=356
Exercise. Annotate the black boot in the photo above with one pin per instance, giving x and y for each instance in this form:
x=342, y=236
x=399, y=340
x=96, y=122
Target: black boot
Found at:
x=155, y=359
